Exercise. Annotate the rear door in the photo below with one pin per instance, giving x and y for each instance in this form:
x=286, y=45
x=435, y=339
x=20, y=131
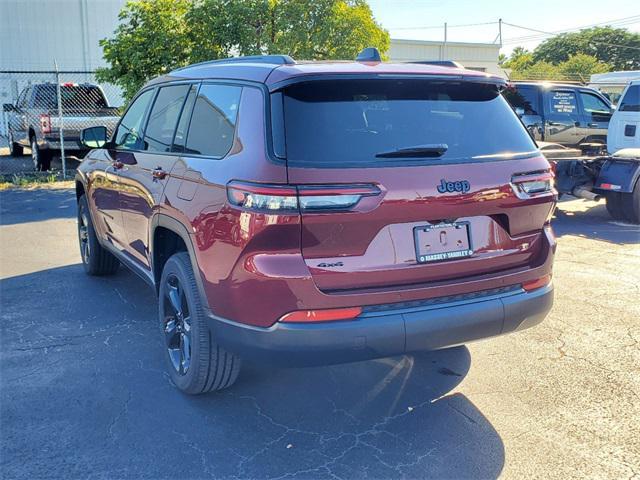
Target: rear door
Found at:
x=384, y=219
x=563, y=117
x=146, y=170
x=624, y=130
x=596, y=114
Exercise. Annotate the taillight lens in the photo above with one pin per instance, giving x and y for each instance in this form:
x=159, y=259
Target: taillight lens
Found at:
x=329, y=315
x=45, y=123
x=537, y=283
x=532, y=184
x=290, y=198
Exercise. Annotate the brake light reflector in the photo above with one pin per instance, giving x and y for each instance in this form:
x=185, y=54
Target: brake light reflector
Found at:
x=291, y=198
x=330, y=315
x=532, y=184
x=45, y=123
x=537, y=283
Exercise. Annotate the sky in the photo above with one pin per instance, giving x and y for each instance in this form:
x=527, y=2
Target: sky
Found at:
x=407, y=18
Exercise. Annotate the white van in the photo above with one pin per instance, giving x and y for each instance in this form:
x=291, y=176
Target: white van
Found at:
x=624, y=127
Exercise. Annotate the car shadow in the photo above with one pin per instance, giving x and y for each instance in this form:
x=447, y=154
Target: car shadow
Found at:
x=588, y=219
x=84, y=392
x=33, y=205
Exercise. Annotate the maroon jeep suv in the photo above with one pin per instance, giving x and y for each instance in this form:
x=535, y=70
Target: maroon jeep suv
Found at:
x=320, y=212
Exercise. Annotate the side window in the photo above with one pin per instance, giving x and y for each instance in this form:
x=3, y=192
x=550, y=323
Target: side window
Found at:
x=158, y=135
x=213, y=122
x=22, y=99
x=594, y=107
x=631, y=100
x=183, y=123
x=562, y=102
x=129, y=133
x=524, y=98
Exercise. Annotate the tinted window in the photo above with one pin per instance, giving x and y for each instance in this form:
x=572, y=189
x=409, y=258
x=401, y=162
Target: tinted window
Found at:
x=523, y=97
x=562, y=102
x=631, y=100
x=22, y=99
x=158, y=135
x=185, y=117
x=595, y=107
x=213, y=121
x=129, y=133
x=349, y=122
x=76, y=97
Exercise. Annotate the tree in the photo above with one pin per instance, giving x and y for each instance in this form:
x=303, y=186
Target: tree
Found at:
x=519, y=60
x=581, y=67
x=156, y=36
x=536, y=71
x=150, y=40
x=617, y=47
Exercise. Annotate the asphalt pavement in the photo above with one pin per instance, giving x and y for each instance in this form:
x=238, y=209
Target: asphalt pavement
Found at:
x=84, y=394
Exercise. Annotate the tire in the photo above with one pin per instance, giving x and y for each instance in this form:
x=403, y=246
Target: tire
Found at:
x=95, y=259
x=630, y=203
x=614, y=205
x=196, y=363
x=15, y=150
x=41, y=157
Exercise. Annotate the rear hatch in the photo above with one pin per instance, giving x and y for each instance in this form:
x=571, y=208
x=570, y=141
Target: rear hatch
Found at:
x=416, y=177
x=624, y=128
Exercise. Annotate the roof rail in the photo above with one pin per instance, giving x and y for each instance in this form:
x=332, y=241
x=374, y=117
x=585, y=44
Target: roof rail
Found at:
x=441, y=63
x=268, y=59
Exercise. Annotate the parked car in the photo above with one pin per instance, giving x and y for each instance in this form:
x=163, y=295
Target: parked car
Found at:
x=318, y=213
x=624, y=128
x=34, y=120
x=566, y=114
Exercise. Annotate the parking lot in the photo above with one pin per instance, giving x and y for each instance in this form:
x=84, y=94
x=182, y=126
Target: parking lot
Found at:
x=84, y=393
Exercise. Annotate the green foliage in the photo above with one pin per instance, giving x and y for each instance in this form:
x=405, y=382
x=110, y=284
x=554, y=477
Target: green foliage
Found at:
x=616, y=47
x=581, y=65
x=577, y=68
x=520, y=59
x=156, y=36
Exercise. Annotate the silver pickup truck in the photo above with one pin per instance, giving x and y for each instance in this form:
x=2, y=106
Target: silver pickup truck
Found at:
x=34, y=120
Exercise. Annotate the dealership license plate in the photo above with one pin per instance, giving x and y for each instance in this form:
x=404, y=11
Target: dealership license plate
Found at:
x=444, y=241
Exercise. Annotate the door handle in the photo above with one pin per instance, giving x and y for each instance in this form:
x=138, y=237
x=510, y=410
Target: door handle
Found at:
x=159, y=173
x=592, y=125
x=117, y=165
x=555, y=124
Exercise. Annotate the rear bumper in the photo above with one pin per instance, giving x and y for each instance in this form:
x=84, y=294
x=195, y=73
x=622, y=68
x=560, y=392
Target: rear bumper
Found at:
x=388, y=330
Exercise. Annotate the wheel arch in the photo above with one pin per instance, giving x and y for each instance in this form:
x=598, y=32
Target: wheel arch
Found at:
x=169, y=236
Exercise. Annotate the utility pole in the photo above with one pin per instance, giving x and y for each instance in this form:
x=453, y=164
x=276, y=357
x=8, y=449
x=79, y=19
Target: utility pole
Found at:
x=444, y=45
x=500, y=30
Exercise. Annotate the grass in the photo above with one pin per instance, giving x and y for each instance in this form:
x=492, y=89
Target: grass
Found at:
x=35, y=179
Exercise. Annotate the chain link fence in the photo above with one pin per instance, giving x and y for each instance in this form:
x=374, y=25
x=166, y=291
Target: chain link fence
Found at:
x=43, y=113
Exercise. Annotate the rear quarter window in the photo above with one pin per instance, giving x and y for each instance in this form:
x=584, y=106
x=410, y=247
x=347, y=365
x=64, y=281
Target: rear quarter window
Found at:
x=342, y=123
x=631, y=100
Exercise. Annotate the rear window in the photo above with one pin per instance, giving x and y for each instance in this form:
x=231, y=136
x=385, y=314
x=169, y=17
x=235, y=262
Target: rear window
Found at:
x=73, y=97
x=631, y=100
x=350, y=122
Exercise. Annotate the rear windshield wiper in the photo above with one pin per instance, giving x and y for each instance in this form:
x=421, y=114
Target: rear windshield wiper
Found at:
x=431, y=150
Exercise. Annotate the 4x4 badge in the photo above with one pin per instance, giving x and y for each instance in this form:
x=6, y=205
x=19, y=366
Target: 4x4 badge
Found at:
x=458, y=186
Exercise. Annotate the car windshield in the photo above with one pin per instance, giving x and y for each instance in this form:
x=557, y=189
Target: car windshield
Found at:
x=357, y=122
x=74, y=97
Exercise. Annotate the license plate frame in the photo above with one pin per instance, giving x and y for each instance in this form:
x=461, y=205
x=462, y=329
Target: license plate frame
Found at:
x=439, y=253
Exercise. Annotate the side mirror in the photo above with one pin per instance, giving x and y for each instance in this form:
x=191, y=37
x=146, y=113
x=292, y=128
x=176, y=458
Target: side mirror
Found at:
x=8, y=107
x=519, y=111
x=93, y=137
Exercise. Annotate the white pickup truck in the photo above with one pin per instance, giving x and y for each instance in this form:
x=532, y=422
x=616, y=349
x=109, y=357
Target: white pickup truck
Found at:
x=34, y=120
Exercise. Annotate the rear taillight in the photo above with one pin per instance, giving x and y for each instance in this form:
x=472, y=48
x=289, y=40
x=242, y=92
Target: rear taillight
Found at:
x=45, y=123
x=330, y=315
x=529, y=185
x=291, y=198
x=537, y=283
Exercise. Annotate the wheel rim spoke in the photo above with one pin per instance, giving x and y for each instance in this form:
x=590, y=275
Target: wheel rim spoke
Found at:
x=177, y=326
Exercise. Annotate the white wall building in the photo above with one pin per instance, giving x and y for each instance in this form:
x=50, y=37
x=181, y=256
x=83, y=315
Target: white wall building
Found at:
x=477, y=56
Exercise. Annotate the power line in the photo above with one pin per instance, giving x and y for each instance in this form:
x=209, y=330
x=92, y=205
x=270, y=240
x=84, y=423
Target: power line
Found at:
x=428, y=27
x=616, y=22
x=555, y=33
